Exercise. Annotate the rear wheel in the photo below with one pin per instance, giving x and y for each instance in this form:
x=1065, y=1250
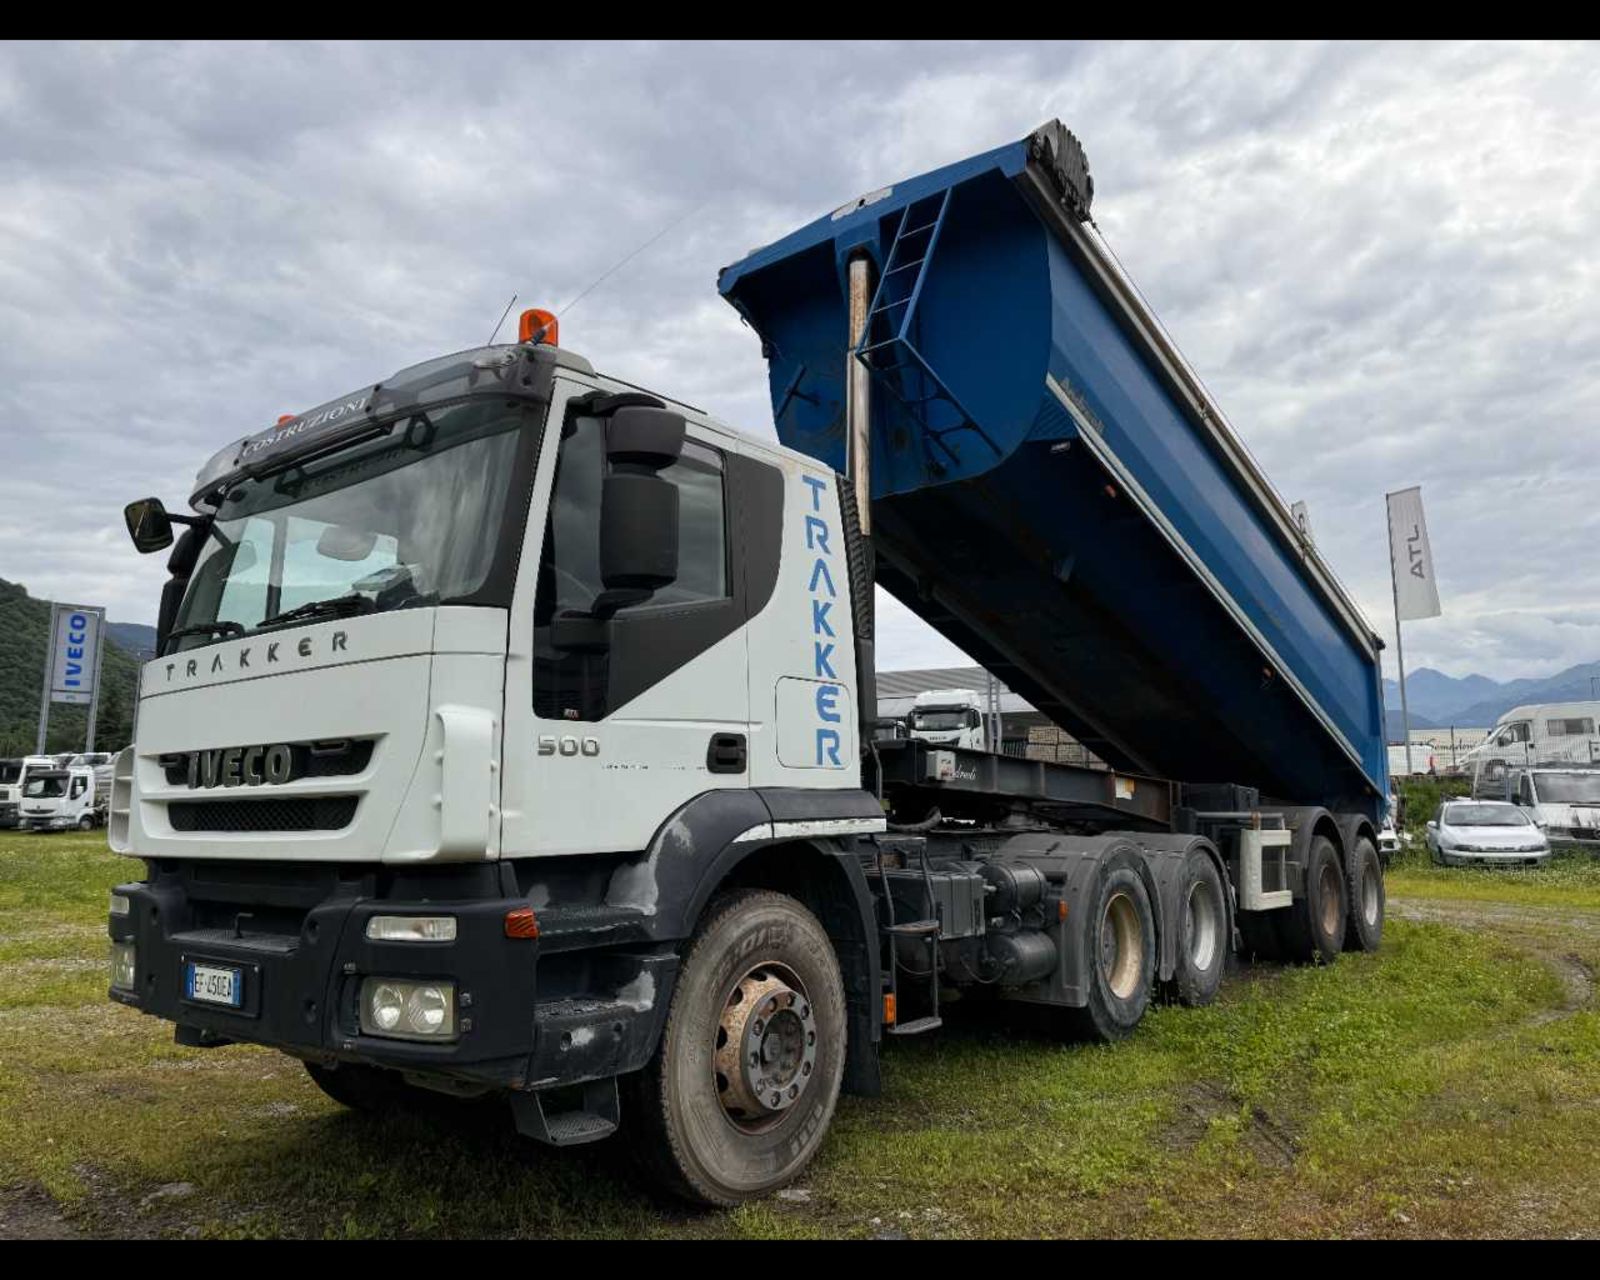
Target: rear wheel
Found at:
x=744, y=1084
x=1121, y=950
x=1203, y=940
x=1311, y=931
x=1364, y=891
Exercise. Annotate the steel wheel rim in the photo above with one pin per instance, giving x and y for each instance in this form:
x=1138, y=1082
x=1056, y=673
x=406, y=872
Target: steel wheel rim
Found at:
x=764, y=1047
x=1328, y=882
x=1204, y=925
x=1369, y=893
x=1121, y=946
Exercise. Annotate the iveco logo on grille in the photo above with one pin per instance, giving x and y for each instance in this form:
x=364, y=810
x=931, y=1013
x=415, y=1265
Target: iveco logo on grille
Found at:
x=241, y=766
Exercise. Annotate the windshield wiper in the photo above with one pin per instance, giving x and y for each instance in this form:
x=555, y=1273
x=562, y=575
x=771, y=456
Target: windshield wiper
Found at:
x=222, y=626
x=334, y=607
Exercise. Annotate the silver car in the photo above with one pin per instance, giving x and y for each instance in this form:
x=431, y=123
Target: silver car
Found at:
x=1485, y=832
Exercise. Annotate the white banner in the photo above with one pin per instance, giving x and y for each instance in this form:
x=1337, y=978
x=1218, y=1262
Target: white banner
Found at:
x=1410, y=558
x=75, y=643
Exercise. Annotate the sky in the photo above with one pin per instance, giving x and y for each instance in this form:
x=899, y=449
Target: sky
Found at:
x=1382, y=259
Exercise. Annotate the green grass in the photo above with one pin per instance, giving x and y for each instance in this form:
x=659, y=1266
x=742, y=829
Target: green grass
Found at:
x=1445, y=1085
x=1566, y=880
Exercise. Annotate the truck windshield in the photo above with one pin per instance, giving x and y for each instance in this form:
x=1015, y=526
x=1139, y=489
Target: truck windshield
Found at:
x=10, y=771
x=1483, y=815
x=408, y=519
x=939, y=721
x=45, y=787
x=1568, y=788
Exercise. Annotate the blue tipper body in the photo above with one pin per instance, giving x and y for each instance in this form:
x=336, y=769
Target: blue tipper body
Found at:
x=1052, y=490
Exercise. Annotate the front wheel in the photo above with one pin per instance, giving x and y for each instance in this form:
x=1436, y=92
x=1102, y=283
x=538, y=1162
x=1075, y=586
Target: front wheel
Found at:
x=744, y=1084
x=86, y=823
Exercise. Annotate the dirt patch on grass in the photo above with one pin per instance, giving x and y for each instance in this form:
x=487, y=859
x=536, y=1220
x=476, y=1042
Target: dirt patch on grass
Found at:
x=1546, y=932
x=31, y=1213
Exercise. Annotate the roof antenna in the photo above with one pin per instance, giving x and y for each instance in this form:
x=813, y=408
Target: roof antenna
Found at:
x=671, y=226
x=502, y=320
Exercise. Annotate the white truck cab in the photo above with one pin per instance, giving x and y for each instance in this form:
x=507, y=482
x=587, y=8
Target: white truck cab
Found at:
x=14, y=774
x=61, y=798
x=948, y=718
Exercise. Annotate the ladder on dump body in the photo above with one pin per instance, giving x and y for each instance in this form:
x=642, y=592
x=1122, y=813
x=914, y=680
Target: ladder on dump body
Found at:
x=925, y=931
x=893, y=356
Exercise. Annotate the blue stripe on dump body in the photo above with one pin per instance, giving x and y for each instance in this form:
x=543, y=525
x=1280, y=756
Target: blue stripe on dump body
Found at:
x=991, y=517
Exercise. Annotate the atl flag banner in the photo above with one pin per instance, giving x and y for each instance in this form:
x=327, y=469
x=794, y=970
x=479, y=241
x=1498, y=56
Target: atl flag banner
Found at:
x=74, y=660
x=1416, y=593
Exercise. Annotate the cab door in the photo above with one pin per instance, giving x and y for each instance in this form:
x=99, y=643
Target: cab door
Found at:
x=605, y=741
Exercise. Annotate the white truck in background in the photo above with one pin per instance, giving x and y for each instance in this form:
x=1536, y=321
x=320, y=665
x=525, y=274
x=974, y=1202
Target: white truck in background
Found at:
x=14, y=774
x=948, y=718
x=64, y=798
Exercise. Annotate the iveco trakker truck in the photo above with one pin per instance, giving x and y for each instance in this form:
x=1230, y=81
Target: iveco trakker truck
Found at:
x=514, y=728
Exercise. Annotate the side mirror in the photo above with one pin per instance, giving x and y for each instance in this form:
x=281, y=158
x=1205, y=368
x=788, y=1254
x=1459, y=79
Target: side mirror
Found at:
x=639, y=509
x=1432, y=825
x=649, y=439
x=149, y=525
x=638, y=532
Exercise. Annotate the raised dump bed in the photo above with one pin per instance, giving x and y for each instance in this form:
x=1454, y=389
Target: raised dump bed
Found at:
x=1054, y=492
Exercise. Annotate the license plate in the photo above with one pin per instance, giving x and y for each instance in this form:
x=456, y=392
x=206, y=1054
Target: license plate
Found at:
x=214, y=984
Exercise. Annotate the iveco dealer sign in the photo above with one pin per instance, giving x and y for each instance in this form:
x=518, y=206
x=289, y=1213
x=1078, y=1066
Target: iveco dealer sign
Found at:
x=74, y=653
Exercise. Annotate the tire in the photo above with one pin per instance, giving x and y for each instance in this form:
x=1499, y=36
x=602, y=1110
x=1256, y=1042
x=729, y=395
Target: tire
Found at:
x=1120, y=951
x=361, y=1088
x=86, y=823
x=1311, y=930
x=1204, y=938
x=714, y=1135
x=1363, y=890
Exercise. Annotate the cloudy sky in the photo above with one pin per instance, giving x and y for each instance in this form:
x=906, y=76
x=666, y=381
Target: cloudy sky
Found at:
x=1383, y=259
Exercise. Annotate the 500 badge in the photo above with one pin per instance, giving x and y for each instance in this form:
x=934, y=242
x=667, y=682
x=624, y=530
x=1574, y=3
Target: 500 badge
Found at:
x=550, y=745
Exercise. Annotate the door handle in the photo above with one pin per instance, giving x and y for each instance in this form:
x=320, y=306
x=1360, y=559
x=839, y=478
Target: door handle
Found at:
x=726, y=754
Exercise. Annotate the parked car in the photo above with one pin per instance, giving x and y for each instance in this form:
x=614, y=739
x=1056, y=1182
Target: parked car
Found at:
x=1485, y=832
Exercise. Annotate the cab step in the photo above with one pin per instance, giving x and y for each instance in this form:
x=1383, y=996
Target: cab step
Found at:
x=597, y=1118
x=915, y=1027
x=914, y=929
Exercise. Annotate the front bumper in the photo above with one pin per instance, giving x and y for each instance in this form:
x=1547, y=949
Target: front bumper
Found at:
x=1493, y=857
x=8, y=815
x=303, y=953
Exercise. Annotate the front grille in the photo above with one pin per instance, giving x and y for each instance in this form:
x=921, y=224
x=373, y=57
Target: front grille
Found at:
x=336, y=759
x=321, y=813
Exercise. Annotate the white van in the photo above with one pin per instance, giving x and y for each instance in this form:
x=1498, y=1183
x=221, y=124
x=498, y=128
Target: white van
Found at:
x=949, y=718
x=60, y=800
x=1564, y=800
x=1542, y=733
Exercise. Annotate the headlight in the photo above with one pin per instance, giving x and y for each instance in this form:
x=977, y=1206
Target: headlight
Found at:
x=124, y=969
x=119, y=904
x=411, y=929
x=408, y=1010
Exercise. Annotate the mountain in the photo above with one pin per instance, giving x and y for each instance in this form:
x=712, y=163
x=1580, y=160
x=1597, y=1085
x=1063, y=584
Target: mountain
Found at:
x=1391, y=719
x=135, y=638
x=24, y=637
x=1478, y=702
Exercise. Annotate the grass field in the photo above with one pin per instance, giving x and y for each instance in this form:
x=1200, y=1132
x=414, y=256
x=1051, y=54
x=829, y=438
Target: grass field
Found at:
x=1448, y=1085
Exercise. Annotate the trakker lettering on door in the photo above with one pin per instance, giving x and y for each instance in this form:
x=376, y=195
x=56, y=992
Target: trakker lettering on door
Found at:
x=811, y=711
